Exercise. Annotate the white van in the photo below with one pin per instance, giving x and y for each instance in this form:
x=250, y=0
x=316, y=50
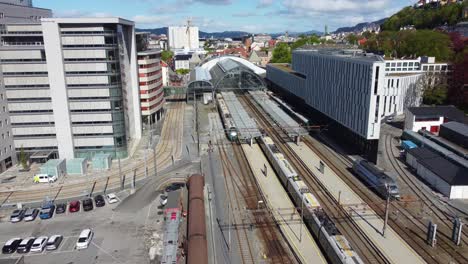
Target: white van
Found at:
x=44, y=178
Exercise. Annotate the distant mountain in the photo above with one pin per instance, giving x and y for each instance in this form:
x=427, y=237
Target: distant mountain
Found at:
x=296, y=34
x=228, y=34
x=225, y=34
x=360, y=26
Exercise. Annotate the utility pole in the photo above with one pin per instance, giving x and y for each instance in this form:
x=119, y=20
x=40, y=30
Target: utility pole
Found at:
x=387, y=208
x=302, y=216
x=120, y=172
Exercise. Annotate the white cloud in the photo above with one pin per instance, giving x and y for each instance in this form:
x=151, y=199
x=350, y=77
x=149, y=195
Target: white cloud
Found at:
x=80, y=13
x=144, y=20
x=264, y=3
x=336, y=5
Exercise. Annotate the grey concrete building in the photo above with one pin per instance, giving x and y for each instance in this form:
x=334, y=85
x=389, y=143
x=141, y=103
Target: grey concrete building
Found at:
x=12, y=11
x=71, y=85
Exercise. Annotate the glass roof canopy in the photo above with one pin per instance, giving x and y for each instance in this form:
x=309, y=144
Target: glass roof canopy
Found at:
x=226, y=73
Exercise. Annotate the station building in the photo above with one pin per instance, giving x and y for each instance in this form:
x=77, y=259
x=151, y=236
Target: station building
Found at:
x=430, y=118
x=70, y=85
x=350, y=92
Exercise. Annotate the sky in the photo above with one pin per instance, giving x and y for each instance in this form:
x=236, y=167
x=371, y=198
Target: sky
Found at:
x=253, y=16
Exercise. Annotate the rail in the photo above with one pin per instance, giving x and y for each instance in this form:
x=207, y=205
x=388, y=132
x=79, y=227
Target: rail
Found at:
x=365, y=247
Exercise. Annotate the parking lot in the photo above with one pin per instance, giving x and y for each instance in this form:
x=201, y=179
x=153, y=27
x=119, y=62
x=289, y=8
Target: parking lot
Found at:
x=120, y=232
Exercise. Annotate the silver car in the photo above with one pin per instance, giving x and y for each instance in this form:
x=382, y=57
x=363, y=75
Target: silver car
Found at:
x=53, y=242
x=31, y=214
x=17, y=215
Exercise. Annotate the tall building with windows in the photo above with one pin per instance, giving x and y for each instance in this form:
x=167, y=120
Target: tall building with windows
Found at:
x=12, y=11
x=350, y=91
x=185, y=37
x=70, y=85
x=150, y=80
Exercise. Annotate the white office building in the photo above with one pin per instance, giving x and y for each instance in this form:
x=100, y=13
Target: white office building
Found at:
x=184, y=37
x=72, y=86
x=353, y=91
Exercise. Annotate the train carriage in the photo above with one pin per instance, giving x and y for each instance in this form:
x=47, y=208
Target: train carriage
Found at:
x=334, y=245
x=228, y=122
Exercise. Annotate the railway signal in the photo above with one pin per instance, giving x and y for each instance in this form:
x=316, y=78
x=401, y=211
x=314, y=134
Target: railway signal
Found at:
x=431, y=234
x=457, y=231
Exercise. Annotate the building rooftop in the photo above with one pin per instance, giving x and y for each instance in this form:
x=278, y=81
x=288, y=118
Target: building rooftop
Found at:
x=282, y=66
x=458, y=127
x=451, y=173
x=448, y=111
x=149, y=52
x=354, y=54
x=89, y=20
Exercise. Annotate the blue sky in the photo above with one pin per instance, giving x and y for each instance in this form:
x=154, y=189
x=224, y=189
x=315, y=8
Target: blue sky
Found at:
x=255, y=16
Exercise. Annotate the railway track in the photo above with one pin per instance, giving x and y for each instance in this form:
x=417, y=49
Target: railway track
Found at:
x=365, y=247
x=112, y=181
x=440, y=217
x=407, y=225
x=245, y=184
x=243, y=241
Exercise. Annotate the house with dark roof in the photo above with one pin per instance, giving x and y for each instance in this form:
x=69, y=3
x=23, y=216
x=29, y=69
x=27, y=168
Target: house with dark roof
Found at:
x=447, y=177
x=430, y=118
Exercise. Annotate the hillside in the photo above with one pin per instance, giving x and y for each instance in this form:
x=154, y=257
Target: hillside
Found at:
x=427, y=17
x=359, y=27
x=202, y=34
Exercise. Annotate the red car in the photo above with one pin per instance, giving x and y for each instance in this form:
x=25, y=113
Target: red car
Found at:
x=74, y=206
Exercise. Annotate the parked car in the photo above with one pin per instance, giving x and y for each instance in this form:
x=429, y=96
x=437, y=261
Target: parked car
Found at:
x=174, y=186
x=88, y=204
x=47, y=210
x=31, y=214
x=61, y=208
x=99, y=200
x=74, y=206
x=84, y=239
x=39, y=244
x=17, y=215
x=163, y=199
x=25, y=245
x=112, y=198
x=53, y=242
x=44, y=178
x=11, y=245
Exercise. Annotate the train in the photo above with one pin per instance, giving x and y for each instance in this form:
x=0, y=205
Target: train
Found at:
x=197, y=245
x=228, y=122
x=376, y=178
x=334, y=245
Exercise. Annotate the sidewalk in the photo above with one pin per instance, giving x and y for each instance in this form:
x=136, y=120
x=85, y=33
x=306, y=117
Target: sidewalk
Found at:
x=283, y=209
x=392, y=246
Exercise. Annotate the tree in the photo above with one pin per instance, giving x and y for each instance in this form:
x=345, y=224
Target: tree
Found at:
x=436, y=95
x=166, y=55
x=182, y=71
x=23, y=159
x=281, y=54
x=352, y=39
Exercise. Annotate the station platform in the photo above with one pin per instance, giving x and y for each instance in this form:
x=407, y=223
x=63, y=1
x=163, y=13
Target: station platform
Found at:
x=394, y=248
x=282, y=208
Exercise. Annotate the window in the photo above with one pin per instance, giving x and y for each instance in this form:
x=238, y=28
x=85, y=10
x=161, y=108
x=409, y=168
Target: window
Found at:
x=3, y=135
x=4, y=109
x=1, y=96
x=6, y=121
x=2, y=15
x=410, y=64
x=8, y=133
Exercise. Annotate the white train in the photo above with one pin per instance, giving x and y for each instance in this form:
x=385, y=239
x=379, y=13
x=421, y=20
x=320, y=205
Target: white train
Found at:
x=336, y=247
x=229, y=126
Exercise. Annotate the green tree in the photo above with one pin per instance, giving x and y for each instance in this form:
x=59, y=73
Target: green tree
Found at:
x=182, y=71
x=23, y=159
x=436, y=95
x=352, y=39
x=281, y=54
x=166, y=55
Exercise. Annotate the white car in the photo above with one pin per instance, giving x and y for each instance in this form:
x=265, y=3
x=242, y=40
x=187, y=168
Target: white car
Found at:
x=85, y=239
x=112, y=198
x=39, y=244
x=54, y=242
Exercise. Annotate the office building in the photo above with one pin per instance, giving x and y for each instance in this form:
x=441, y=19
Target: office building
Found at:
x=12, y=11
x=150, y=80
x=184, y=37
x=351, y=91
x=70, y=85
